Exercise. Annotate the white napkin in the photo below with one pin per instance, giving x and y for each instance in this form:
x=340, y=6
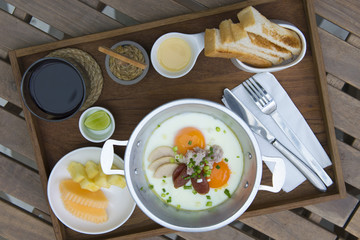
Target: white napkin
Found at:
x=296, y=122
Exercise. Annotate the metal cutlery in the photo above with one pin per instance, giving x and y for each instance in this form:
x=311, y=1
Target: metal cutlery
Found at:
x=257, y=127
x=267, y=105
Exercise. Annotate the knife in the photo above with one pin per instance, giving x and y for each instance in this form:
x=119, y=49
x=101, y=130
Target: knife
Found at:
x=256, y=126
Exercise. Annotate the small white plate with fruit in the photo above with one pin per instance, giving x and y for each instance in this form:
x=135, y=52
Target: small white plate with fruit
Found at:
x=85, y=199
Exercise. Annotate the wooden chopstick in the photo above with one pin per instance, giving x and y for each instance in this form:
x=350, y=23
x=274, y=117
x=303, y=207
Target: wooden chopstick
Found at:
x=121, y=57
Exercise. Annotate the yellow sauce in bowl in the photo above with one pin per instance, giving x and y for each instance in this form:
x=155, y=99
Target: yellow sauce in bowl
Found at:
x=174, y=54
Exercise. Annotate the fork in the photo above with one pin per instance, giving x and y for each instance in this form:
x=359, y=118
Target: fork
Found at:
x=267, y=105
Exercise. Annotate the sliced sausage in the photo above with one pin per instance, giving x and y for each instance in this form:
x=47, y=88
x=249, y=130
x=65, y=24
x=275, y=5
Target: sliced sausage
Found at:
x=180, y=176
x=165, y=170
x=201, y=186
x=158, y=162
x=159, y=152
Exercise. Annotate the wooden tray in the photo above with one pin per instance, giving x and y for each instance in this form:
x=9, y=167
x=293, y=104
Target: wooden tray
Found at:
x=305, y=83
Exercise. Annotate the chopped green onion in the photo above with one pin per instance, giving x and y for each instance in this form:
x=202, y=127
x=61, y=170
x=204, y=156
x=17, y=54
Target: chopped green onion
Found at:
x=217, y=167
x=186, y=178
x=217, y=129
x=164, y=176
x=172, y=160
x=195, y=155
x=158, y=125
x=237, y=156
x=224, y=131
x=187, y=187
x=206, y=161
x=167, y=193
x=190, y=142
x=175, y=148
x=215, y=189
x=163, y=190
x=206, y=168
x=227, y=192
x=151, y=186
x=163, y=181
x=163, y=195
x=211, y=149
x=226, y=160
x=208, y=172
x=194, y=192
x=169, y=200
x=209, y=204
x=141, y=188
x=178, y=206
x=208, y=197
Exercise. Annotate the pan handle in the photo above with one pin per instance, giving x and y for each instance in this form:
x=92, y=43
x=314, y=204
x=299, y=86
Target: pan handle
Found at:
x=107, y=156
x=279, y=174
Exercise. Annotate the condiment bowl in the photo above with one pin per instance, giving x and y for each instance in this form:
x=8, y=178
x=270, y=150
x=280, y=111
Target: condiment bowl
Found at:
x=196, y=43
x=284, y=65
x=92, y=135
x=135, y=80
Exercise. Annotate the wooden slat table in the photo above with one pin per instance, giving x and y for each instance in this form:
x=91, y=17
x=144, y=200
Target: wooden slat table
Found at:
x=24, y=209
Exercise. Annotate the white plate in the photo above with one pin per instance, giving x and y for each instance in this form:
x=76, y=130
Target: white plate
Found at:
x=121, y=205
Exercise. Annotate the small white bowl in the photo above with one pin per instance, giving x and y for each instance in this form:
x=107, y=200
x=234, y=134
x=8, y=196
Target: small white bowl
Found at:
x=92, y=135
x=196, y=43
x=284, y=65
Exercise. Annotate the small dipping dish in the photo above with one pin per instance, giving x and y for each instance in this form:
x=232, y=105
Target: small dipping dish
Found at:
x=174, y=54
x=284, y=65
x=93, y=135
x=112, y=67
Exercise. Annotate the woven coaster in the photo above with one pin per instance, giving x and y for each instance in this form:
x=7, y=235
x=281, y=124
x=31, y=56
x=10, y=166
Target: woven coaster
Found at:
x=90, y=67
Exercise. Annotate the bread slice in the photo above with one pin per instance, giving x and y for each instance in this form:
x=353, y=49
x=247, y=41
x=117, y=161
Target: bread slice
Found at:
x=241, y=39
x=214, y=48
x=252, y=21
x=256, y=42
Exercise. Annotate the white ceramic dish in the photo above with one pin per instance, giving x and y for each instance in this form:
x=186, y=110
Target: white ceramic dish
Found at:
x=196, y=43
x=121, y=205
x=286, y=64
x=96, y=136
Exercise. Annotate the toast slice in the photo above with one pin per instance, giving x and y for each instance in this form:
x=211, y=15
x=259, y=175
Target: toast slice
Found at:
x=241, y=38
x=256, y=42
x=254, y=22
x=215, y=48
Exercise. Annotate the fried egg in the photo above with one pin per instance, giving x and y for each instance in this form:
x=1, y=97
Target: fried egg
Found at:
x=183, y=132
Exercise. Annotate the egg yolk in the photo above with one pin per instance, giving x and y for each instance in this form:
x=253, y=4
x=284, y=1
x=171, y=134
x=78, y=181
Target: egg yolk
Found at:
x=188, y=138
x=220, y=174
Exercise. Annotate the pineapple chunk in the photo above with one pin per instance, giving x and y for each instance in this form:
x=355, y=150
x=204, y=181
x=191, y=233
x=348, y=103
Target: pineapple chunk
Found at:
x=89, y=184
x=92, y=169
x=77, y=171
x=116, y=180
x=101, y=180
